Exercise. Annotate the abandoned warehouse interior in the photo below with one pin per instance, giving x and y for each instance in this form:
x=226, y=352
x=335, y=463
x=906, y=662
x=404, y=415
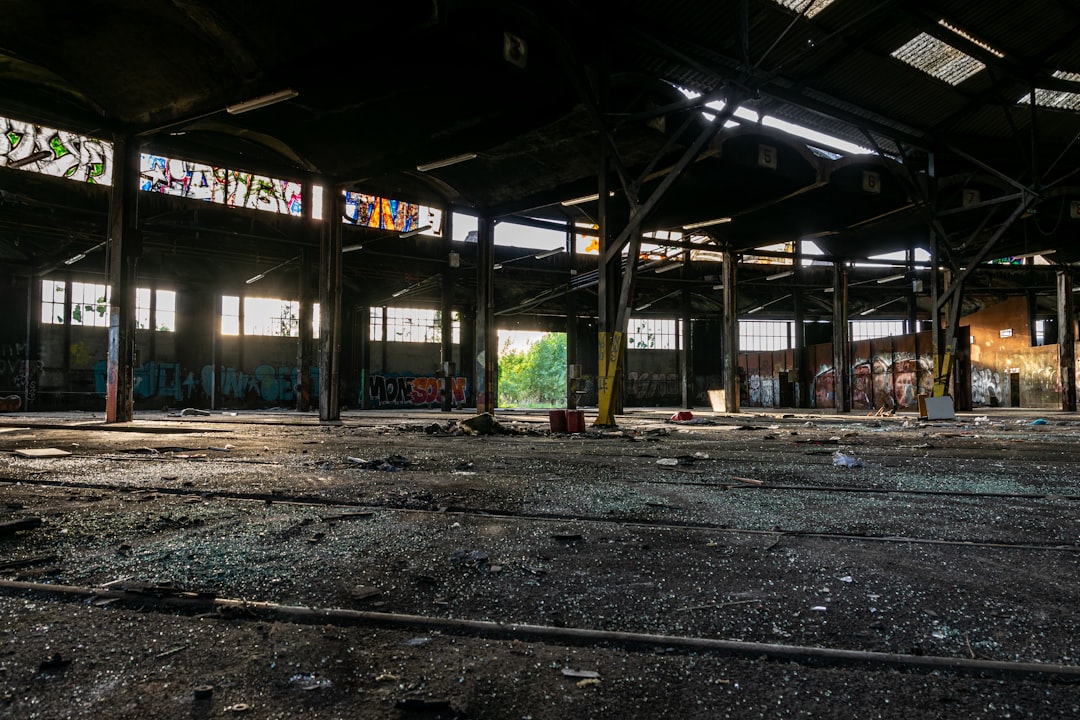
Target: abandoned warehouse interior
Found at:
x=257, y=260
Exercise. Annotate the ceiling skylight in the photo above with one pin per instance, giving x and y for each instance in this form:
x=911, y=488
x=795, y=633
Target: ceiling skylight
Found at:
x=816, y=6
x=938, y=59
x=1060, y=99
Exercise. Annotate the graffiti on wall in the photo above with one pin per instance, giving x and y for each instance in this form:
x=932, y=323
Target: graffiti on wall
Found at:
x=234, y=188
x=986, y=386
x=12, y=360
x=267, y=384
x=413, y=391
x=15, y=375
x=644, y=387
x=889, y=380
x=58, y=153
x=761, y=391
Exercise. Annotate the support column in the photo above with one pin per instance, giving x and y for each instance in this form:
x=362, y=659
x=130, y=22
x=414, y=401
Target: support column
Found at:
x=486, y=343
x=913, y=296
x=308, y=292
x=730, y=344
x=572, y=365
x=305, y=343
x=364, y=323
x=449, y=276
x=686, y=356
x=841, y=342
x=330, y=306
x=798, y=341
x=125, y=247
x=1066, y=340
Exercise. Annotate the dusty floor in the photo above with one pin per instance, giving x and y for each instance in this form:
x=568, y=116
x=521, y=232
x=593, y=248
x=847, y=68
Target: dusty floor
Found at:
x=263, y=565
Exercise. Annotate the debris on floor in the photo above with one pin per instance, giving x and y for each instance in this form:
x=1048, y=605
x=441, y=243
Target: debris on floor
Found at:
x=41, y=452
x=482, y=424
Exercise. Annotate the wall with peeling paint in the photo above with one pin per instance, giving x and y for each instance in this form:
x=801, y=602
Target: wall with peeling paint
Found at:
x=1006, y=369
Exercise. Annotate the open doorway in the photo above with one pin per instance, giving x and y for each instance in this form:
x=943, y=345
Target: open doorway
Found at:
x=532, y=369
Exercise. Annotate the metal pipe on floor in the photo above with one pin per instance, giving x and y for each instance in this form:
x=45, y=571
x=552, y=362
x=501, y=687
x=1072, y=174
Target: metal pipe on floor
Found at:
x=1047, y=672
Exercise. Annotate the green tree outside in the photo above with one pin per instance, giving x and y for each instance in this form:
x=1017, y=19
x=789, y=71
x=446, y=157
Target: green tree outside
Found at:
x=535, y=377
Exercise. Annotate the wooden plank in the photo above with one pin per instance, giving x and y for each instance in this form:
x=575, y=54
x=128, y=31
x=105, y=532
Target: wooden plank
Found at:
x=41, y=452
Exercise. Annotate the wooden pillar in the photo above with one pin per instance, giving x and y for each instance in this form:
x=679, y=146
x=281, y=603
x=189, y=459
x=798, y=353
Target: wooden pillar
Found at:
x=1066, y=340
x=330, y=306
x=125, y=247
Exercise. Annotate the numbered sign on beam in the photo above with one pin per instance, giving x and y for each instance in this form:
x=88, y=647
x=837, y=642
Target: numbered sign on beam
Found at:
x=766, y=156
x=1074, y=209
x=871, y=182
x=972, y=197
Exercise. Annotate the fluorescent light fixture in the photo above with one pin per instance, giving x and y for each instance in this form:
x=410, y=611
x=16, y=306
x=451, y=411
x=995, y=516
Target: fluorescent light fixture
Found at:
x=891, y=278
x=706, y=223
x=1034, y=254
x=777, y=276
x=445, y=162
x=549, y=253
x=401, y=292
x=414, y=232
x=266, y=272
x=351, y=248
x=868, y=311
x=497, y=266
x=717, y=287
x=79, y=256
x=646, y=306
x=668, y=268
x=581, y=200
x=830, y=289
x=754, y=310
x=261, y=102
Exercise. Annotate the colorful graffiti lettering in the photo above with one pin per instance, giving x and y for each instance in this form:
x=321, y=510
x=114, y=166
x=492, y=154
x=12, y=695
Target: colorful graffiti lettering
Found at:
x=411, y=391
x=150, y=379
x=199, y=181
x=58, y=153
x=267, y=384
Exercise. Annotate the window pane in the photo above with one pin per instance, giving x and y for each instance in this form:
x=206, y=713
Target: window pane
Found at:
x=142, y=308
x=52, y=301
x=230, y=315
x=419, y=325
x=272, y=317
x=868, y=329
x=89, y=304
x=757, y=335
x=652, y=334
x=166, y=311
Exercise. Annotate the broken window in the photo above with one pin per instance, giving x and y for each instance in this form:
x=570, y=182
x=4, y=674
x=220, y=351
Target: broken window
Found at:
x=399, y=324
